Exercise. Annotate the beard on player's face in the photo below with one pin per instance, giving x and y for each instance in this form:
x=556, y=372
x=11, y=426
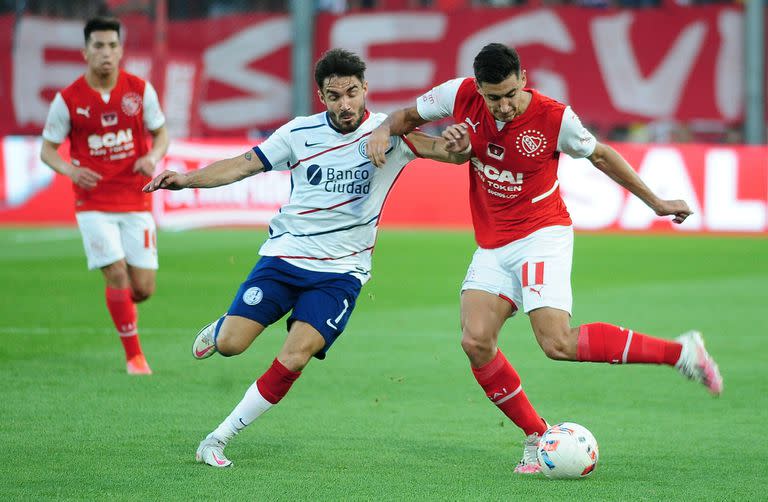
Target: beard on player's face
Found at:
x=344, y=98
x=347, y=120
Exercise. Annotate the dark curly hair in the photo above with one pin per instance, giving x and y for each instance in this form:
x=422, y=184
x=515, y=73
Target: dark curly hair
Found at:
x=339, y=63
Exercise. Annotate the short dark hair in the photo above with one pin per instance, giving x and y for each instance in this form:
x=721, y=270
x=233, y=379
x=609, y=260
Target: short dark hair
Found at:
x=339, y=63
x=101, y=23
x=495, y=63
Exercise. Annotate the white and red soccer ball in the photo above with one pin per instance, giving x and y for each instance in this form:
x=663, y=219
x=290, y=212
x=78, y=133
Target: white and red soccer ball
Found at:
x=567, y=451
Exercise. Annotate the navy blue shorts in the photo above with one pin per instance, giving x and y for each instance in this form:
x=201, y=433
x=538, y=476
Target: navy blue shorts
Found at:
x=321, y=299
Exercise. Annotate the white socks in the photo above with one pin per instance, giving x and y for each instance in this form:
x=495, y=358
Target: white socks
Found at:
x=251, y=407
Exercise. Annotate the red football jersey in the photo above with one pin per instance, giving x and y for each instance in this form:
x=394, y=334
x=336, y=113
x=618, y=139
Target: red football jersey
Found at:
x=513, y=187
x=108, y=138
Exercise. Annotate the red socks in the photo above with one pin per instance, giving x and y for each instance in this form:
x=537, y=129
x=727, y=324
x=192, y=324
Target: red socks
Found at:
x=123, y=312
x=501, y=384
x=601, y=342
x=598, y=342
x=275, y=383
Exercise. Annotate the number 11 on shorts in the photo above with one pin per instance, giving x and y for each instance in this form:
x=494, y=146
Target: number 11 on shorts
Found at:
x=150, y=239
x=533, y=275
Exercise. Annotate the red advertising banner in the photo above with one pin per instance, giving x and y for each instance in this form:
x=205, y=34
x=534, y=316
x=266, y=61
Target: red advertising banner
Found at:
x=224, y=76
x=230, y=76
x=612, y=66
x=727, y=188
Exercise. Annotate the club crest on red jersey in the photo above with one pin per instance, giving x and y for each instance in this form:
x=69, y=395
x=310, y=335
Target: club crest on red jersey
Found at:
x=108, y=119
x=531, y=142
x=131, y=103
x=495, y=151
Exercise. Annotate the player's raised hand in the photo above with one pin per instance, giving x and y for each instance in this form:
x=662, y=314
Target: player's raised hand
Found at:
x=169, y=180
x=377, y=145
x=678, y=208
x=456, y=137
x=145, y=165
x=84, y=177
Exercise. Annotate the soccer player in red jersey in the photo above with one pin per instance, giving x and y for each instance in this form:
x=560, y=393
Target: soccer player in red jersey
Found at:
x=525, y=234
x=106, y=114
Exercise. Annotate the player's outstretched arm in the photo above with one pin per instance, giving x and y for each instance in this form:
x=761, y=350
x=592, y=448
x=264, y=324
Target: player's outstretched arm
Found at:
x=221, y=172
x=613, y=164
x=442, y=149
x=398, y=123
x=80, y=176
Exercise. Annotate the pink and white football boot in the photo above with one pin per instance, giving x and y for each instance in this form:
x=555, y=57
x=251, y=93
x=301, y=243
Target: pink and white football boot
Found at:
x=211, y=452
x=696, y=364
x=204, y=345
x=529, y=464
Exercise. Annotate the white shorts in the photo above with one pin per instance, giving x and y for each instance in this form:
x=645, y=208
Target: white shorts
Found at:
x=531, y=273
x=110, y=237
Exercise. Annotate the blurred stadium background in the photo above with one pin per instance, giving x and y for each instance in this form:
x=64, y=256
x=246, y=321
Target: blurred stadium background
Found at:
x=677, y=85
x=681, y=83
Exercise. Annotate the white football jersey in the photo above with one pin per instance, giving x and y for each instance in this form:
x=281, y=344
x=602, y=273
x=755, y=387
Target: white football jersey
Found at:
x=329, y=223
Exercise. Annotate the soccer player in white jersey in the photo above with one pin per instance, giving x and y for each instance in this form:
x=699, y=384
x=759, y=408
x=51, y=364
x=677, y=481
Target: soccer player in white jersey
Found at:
x=318, y=254
x=525, y=234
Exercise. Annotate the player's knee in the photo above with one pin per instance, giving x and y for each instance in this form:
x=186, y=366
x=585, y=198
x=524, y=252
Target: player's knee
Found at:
x=475, y=343
x=228, y=344
x=142, y=292
x=116, y=275
x=554, y=350
x=555, y=344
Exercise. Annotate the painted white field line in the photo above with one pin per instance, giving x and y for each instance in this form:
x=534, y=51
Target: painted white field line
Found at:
x=60, y=234
x=88, y=330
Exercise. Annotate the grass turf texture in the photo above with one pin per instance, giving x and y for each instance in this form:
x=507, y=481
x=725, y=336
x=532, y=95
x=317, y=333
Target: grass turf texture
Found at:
x=394, y=412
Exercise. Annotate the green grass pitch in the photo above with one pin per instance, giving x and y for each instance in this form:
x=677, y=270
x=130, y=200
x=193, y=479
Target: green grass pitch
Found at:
x=393, y=413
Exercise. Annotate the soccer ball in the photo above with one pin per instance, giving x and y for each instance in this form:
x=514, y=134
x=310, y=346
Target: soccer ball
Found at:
x=567, y=451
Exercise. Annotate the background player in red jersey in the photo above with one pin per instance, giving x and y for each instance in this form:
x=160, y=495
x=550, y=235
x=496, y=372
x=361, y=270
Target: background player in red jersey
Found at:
x=525, y=234
x=106, y=114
